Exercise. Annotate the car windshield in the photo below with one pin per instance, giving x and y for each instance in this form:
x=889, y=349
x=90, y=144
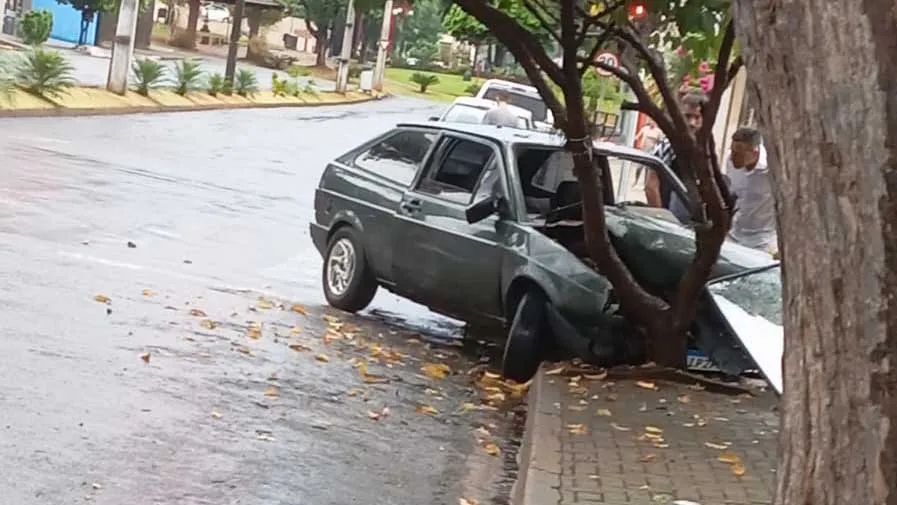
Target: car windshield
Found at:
x=461, y=113
x=758, y=293
x=531, y=103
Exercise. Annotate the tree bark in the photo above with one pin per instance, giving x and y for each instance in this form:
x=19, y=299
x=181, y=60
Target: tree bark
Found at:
x=192, y=21
x=321, y=49
x=829, y=108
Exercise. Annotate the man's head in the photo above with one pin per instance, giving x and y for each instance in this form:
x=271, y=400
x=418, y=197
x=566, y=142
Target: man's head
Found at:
x=692, y=105
x=502, y=97
x=745, y=148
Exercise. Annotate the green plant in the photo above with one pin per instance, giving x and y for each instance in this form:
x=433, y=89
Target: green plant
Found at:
x=246, y=83
x=424, y=80
x=187, y=76
x=310, y=88
x=473, y=89
x=44, y=73
x=7, y=75
x=148, y=74
x=216, y=84
x=296, y=71
x=279, y=87
x=36, y=26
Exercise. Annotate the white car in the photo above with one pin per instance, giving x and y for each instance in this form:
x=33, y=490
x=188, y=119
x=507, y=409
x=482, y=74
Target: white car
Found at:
x=473, y=110
x=523, y=96
x=218, y=13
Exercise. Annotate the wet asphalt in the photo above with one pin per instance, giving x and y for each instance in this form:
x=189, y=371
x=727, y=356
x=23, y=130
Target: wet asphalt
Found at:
x=164, y=339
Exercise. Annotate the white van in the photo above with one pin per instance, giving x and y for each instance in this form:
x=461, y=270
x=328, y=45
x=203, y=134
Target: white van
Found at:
x=467, y=109
x=523, y=96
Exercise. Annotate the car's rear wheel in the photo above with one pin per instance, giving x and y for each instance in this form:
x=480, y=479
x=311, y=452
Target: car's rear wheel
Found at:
x=527, y=338
x=348, y=282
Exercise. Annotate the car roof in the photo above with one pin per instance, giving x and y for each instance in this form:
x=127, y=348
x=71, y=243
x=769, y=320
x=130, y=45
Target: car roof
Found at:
x=511, y=86
x=485, y=102
x=513, y=136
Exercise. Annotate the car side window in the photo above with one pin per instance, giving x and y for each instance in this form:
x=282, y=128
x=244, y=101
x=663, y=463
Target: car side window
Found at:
x=455, y=173
x=397, y=157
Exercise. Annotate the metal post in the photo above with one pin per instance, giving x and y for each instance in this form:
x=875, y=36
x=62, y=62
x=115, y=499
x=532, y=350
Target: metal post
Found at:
x=123, y=47
x=383, y=50
x=230, y=67
x=342, y=74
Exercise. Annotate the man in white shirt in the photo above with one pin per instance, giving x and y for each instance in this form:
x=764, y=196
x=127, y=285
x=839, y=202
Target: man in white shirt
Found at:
x=754, y=222
x=501, y=115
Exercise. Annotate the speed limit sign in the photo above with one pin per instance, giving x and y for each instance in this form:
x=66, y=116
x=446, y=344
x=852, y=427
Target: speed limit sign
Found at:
x=608, y=59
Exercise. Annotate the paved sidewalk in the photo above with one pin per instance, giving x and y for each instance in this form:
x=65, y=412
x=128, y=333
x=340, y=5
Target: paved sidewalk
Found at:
x=620, y=442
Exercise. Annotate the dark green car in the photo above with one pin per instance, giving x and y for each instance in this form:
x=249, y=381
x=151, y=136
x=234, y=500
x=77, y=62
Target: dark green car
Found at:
x=481, y=223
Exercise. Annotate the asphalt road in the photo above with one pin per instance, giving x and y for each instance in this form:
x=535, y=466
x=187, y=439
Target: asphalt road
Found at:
x=151, y=351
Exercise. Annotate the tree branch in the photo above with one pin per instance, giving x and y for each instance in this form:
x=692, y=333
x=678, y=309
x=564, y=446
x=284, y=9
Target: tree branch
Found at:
x=646, y=104
x=736, y=65
x=599, y=44
x=541, y=15
x=720, y=82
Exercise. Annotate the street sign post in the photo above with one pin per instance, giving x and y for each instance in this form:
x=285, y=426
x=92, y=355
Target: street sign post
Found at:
x=609, y=59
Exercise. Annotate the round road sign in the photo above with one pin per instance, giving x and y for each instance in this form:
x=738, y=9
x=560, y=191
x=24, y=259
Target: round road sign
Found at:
x=609, y=59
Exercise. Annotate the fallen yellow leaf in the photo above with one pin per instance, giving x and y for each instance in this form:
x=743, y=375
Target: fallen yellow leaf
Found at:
x=576, y=408
x=322, y=358
x=373, y=415
x=647, y=458
x=436, y=370
x=427, y=409
x=647, y=385
x=576, y=429
x=738, y=469
x=254, y=331
x=208, y=323
x=216, y=414
x=729, y=457
x=300, y=347
x=102, y=298
x=714, y=445
x=147, y=292
x=245, y=350
x=197, y=313
x=467, y=501
x=684, y=398
x=618, y=427
x=491, y=449
x=272, y=391
x=653, y=429
x=263, y=303
x=145, y=357
x=299, y=309
x=556, y=371
x=603, y=412
x=596, y=377
x=295, y=330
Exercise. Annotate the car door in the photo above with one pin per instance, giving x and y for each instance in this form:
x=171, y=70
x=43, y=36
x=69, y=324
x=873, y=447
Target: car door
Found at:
x=440, y=259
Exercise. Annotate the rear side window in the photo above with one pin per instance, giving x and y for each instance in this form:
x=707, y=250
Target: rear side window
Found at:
x=531, y=103
x=397, y=157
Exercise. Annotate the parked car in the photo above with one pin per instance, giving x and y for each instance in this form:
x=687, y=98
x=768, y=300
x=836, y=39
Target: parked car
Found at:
x=483, y=224
x=216, y=12
x=523, y=96
x=472, y=111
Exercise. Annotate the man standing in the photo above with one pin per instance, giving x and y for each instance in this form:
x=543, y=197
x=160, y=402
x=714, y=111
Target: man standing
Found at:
x=646, y=140
x=658, y=192
x=754, y=222
x=501, y=115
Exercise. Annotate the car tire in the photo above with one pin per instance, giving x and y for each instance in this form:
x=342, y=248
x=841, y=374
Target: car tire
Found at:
x=527, y=335
x=348, y=282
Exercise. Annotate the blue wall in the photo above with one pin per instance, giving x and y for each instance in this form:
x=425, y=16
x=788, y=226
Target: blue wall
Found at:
x=66, y=21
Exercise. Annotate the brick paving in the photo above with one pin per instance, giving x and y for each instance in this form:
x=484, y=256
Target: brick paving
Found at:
x=616, y=442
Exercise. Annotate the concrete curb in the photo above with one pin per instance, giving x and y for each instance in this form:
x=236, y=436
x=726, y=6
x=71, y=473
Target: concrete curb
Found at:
x=119, y=111
x=539, y=458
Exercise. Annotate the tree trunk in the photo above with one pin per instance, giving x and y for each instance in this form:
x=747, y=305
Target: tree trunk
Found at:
x=829, y=73
x=254, y=20
x=321, y=40
x=357, y=34
x=192, y=21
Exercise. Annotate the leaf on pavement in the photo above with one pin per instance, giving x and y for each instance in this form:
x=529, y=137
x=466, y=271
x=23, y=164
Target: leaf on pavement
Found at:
x=300, y=347
x=145, y=357
x=254, y=331
x=576, y=429
x=696, y=387
x=714, y=445
x=264, y=303
x=738, y=469
x=427, y=409
x=556, y=371
x=596, y=377
x=653, y=429
x=436, y=370
x=684, y=398
x=208, y=323
x=374, y=416
x=619, y=427
x=322, y=358
x=102, y=298
x=576, y=408
x=647, y=385
x=491, y=449
x=197, y=313
x=299, y=309
x=148, y=292
x=272, y=391
x=216, y=414
x=245, y=350
x=729, y=457
x=295, y=330
x=603, y=412
x=467, y=501
x=647, y=458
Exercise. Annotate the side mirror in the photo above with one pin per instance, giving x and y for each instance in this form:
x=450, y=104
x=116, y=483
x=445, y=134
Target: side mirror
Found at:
x=433, y=118
x=485, y=208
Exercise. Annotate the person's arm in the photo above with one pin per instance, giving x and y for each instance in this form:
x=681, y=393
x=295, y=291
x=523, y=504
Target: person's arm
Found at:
x=652, y=188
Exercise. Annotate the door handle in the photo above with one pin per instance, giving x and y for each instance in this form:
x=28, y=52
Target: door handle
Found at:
x=410, y=205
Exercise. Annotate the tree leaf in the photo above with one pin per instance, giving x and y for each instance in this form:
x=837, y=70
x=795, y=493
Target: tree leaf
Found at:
x=102, y=298
x=254, y=331
x=491, y=449
x=576, y=429
x=208, y=323
x=714, y=445
x=653, y=429
x=647, y=385
x=197, y=313
x=436, y=370
x=729, y=457
x=467, y=501
x=299, y=309
x=603, y=412
x=300, y=347
x=647, y=458
x=618, y=427
x=147, y=292
x=427, y=409
x=145, y=357
x=272, y=391
x=738, y=469
x=322, y=358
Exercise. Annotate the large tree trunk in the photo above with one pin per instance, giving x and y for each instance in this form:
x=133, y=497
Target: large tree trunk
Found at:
x=192, y=21
x=321, y=48
x=825, y=74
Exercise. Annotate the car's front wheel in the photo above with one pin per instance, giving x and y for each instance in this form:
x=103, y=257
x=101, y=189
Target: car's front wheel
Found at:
x=527, y=338
x=348, y=282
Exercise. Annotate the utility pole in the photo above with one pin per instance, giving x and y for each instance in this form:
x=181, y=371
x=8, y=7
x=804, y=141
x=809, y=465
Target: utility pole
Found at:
x=123, y=47
x=342, y=74
x=230, y=67
x=383, y=50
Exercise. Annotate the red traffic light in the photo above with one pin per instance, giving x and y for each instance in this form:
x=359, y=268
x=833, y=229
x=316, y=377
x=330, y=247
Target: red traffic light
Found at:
x=637, y=10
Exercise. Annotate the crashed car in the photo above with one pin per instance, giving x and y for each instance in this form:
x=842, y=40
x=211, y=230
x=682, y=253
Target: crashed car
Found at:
x=483, y=224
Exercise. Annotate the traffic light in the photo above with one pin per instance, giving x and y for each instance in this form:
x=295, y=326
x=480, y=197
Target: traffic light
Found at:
x=637, y=10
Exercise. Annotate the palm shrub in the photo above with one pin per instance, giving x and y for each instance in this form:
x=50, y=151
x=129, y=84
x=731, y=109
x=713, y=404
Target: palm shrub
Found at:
x=7, y=75
x=187, y=76
x=148, y=74
x=216, y=84
x=44, y=73
x=424, y=80
x=36, y=26
x=246, y=83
